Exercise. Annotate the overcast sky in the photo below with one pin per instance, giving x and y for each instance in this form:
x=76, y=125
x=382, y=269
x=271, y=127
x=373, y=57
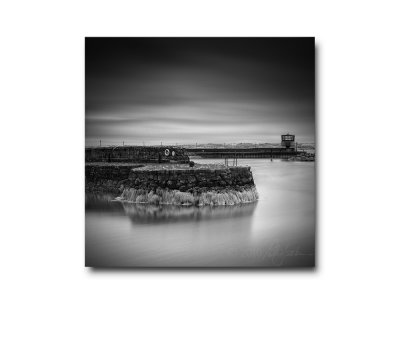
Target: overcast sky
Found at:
x=188, y=90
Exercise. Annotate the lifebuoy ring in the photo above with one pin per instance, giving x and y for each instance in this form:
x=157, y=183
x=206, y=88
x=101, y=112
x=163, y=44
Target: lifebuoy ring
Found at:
x=166, y=152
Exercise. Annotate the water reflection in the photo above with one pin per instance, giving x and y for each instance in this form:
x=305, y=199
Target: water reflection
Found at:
x=147, y=213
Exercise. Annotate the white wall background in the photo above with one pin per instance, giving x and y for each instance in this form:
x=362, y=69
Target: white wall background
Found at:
x=46, y=294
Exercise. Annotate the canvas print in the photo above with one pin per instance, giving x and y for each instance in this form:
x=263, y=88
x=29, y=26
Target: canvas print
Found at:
x=200, y=152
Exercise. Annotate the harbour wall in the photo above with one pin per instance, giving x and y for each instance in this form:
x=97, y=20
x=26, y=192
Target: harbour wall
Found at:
x=242, y=153
x=115, y=177
x=137, y=154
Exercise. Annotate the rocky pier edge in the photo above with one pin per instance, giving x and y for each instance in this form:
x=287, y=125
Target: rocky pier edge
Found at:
x=178, y=184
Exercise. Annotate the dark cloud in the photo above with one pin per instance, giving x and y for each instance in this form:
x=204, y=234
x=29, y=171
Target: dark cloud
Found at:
x=199, y=89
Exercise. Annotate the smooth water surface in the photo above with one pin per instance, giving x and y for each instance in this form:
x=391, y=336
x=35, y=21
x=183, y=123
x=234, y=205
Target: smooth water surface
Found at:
x=278, y=230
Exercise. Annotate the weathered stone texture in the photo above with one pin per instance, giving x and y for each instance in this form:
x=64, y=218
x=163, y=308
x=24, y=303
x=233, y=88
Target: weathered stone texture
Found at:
x=164, y=154
x=114, y=177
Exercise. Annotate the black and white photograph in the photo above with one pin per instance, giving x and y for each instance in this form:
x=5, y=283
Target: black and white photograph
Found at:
x=200, y=152
x=199, y=172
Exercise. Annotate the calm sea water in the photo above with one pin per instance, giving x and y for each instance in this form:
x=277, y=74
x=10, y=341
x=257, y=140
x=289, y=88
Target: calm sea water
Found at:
x=276, y=231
